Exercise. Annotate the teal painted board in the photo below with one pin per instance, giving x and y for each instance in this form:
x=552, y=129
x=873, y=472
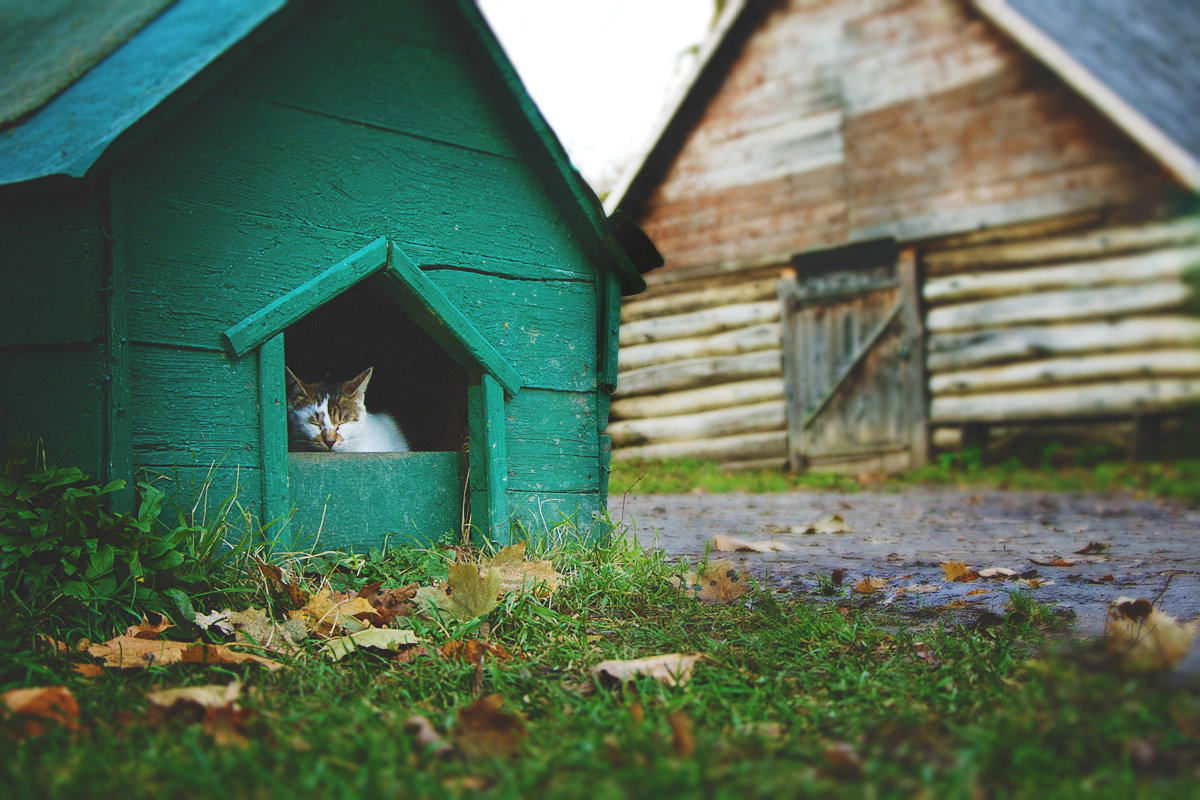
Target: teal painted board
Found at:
x=227, y=265
x=546, y=329
x=558, y=518
x=553, y=443
x=53, y=293
x=203, y=492
x=489, y=462
x=272, y=422
x=194, y=406
x=235, y=152
x=287, y=72
x=355, y=500
x=58, y=399
x=279, y=314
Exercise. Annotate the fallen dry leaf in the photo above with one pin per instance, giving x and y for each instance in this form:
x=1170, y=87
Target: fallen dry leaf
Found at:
x=378, y=638
x=297, y=597
x=35, y=706
x=423, y=731
x=717, y=582
x=254, y=627
x=217, y=619
x=1052, y=561
x=89, y=670
x=472, y=651
x=831, y=524
x=327, y=614
x=214, y=707
x=129, y=652
x=842, y=760
x=484, y=731
x=464, y=595
x=998, y=572
x=730, y=544
x=147, y=629
x=518, y=574
x=389, y=603
x=1143, y=638
x=870, y=585
x=683, y=742
x=673, y=669
x=958, y=571
x=1092, y=548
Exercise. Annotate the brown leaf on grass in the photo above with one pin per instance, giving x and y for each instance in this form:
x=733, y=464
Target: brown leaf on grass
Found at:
x=870, y=585
x=32, y=708
x=328, y=614
x=129, y=652
x=484, y=731
x=683, y=742
x=389, y=603
x=958, y=571
x=296, y=596
x=472, y=651
x=427, y=736
x=89, y=670
x=731, y=544
x=1143, y=638
x=1092, y=549
x=147, y=629
x=842, y=760
x=214, y=707
x=254, y=627
x=717, y=582
x=837, y=576
x=410, y=654
x=673, y=669
x=517, y=574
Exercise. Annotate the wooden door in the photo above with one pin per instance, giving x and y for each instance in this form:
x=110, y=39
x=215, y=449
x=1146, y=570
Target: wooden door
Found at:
x=853, y=360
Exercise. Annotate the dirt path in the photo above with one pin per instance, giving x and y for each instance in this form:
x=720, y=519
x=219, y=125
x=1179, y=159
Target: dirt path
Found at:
x=905, y=536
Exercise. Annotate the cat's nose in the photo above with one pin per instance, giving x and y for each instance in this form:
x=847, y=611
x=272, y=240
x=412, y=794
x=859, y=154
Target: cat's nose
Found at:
x=329, y=438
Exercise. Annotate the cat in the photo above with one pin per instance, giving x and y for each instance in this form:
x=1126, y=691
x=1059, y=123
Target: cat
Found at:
x=333, y=417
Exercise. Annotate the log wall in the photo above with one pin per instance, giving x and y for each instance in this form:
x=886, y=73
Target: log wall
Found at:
x=1099, y=323
x=700, y=371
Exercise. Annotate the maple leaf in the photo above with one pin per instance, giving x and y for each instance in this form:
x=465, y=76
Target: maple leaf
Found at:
x=254, y=627
x=464, y=595
x=958, y=571
x=870, y=585
x=673, y=669
x=1144, y=638
x=129, y=652
x=484, y=731
x=518, y=574
x=297, y=597
x=327, y=614
x=717, y=582
x=381, y=638
x=215, y=707
x=472, y=651
x=389, y=603
x=729, y=544
x=37, y=705
x=149, y=630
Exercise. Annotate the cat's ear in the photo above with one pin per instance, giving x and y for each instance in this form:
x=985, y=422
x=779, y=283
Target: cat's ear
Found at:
x=295, y=386
x=358, y=386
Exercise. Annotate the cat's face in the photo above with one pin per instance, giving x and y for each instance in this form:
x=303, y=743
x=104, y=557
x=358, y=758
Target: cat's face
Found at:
x=322, y=417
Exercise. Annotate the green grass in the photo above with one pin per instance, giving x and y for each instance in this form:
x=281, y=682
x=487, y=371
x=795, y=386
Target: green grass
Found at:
x=1178, y=479
x=796, y=697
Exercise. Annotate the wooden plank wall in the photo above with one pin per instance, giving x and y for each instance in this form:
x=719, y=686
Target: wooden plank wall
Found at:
x=303, y=156
x=1099, y=322
x=701, y=373
x=843, y=121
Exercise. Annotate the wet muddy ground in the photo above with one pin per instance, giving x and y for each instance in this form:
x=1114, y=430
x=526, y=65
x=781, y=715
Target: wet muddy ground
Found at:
x=1137, y=547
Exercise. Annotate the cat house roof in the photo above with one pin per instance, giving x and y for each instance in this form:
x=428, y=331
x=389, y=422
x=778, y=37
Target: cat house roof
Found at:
x=86, y=84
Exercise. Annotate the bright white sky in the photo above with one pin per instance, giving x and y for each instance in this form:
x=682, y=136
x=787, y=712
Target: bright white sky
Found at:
x=600, y=70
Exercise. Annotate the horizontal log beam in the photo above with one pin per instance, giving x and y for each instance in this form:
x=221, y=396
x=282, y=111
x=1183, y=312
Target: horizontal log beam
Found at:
x=742, y=340
x=1045, y=307
x=1098, y=400
x=1096, y=243
x=708, y=297
x=722, y=395
x=704, y=425
x=1141, y=268
x=1046, y=372
x=950, y=352
x=698, y=372
x=699, y=323
x=744, y=447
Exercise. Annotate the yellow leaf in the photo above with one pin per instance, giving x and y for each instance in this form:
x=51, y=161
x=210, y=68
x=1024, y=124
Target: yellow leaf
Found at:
x=1144, y=638
x=718, y=582
x=328, y=614
x=517, y=574
x=870, y=585
x=958, y=571
x=673, y=669
x=381, y=638
x=465, y=595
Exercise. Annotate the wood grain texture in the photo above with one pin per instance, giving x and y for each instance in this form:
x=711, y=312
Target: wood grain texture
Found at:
x=742, y=447
x=278, y=315
x=1105, y=399
x=1114, y=367
x=488, y=461
x=697, y=372
x=723, y=395
x=553, y=442
x=699, y=323
x=358, y=501
x=739, y=340
x=272, y=431
x=747, y=418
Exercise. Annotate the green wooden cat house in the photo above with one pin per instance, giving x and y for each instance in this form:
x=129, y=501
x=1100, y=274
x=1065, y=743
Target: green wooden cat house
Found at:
x=194, y=194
